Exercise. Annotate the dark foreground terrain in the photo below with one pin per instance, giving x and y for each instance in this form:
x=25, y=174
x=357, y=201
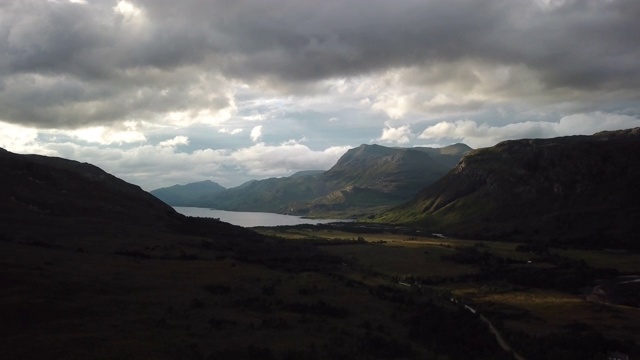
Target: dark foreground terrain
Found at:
x=93, y=267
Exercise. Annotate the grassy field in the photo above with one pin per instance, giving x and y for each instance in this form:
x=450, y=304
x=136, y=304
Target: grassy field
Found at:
x=389, y=254
x=548, y=311
x=623, y=262
x=135, y=293
x=533, y=310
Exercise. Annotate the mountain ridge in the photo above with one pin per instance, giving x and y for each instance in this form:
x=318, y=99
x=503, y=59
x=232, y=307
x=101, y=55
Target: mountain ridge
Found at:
x=565, y=189
x=387, y=175
x=49, y=200
x=182, y=195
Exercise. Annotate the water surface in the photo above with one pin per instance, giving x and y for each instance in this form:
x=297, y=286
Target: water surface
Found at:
x=251, y=219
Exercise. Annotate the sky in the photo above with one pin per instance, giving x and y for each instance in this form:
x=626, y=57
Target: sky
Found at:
x=161, y=92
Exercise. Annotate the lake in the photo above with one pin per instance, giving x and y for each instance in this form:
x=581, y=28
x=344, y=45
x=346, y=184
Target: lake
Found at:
x=251, y=219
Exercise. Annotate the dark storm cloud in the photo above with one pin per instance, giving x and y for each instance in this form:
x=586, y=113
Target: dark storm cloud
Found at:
x=579, y=43
x=66, y=65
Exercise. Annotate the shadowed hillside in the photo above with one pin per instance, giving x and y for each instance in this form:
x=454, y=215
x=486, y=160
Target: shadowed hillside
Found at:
x=183, y=195
x=570, y=189
x=48, y=186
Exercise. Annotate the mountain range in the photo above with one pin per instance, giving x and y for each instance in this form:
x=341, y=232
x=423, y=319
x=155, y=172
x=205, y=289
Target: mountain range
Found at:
x=576, y=189
x=185, y=195
x=364, y=180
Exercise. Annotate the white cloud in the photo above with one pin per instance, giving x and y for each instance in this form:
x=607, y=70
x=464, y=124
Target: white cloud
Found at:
x=284, y=159
x=586, y=124
x=230, y=131
x=482, y=135
x=256, y=133
x=124, y=133
x=17, y=138
x=176, y=141
x=397, y=135
x=129, y=11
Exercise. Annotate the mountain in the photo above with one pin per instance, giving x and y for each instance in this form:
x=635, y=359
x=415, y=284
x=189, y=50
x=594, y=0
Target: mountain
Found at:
x=183, y=195
x=364, y=179
x=268, y=195
x=306, y=173
x=566, y=189
x=448, y=155
x=396, y=171
x=34, y=186
x=50, y=200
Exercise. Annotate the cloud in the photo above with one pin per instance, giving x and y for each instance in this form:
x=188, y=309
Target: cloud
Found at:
x=154, y=166
x=256, y=133
x=17, y=138
x=176, y=141
x=482, y=135
x=72, y=64
x=232, y=131
x=265, y=160
x=397, y=135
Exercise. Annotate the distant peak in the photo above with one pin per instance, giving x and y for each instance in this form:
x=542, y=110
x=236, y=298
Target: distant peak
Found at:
x=306, y=173
x=457, y=148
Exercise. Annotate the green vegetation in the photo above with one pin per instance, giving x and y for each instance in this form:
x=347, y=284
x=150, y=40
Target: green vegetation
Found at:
x=183, y=195
x=537, y=296
x=367, y=179
x=579, y=191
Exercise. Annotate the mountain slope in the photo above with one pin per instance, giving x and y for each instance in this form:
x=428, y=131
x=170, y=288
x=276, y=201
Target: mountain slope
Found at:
x=395, y=171
x=183, y=195
x=449, y=156
x=52, y=200
x=565, y=189
x=33, y=185
x=269, y=195
x=399, y=172
x=387, y=176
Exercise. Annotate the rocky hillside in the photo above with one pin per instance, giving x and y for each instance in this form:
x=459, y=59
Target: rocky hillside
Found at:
x=396, y=171
x=578, y=188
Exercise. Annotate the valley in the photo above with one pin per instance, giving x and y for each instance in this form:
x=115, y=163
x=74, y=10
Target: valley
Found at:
x=502, y=281
x=95, y=267
x=365, y=180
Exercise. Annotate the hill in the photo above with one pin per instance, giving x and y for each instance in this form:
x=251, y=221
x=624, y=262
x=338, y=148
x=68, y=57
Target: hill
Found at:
x=40, y=187
x=183, y=195
x=388, y=176
x=395, y=171
x=47, y=200
x=568, y=189
x=268, y=195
